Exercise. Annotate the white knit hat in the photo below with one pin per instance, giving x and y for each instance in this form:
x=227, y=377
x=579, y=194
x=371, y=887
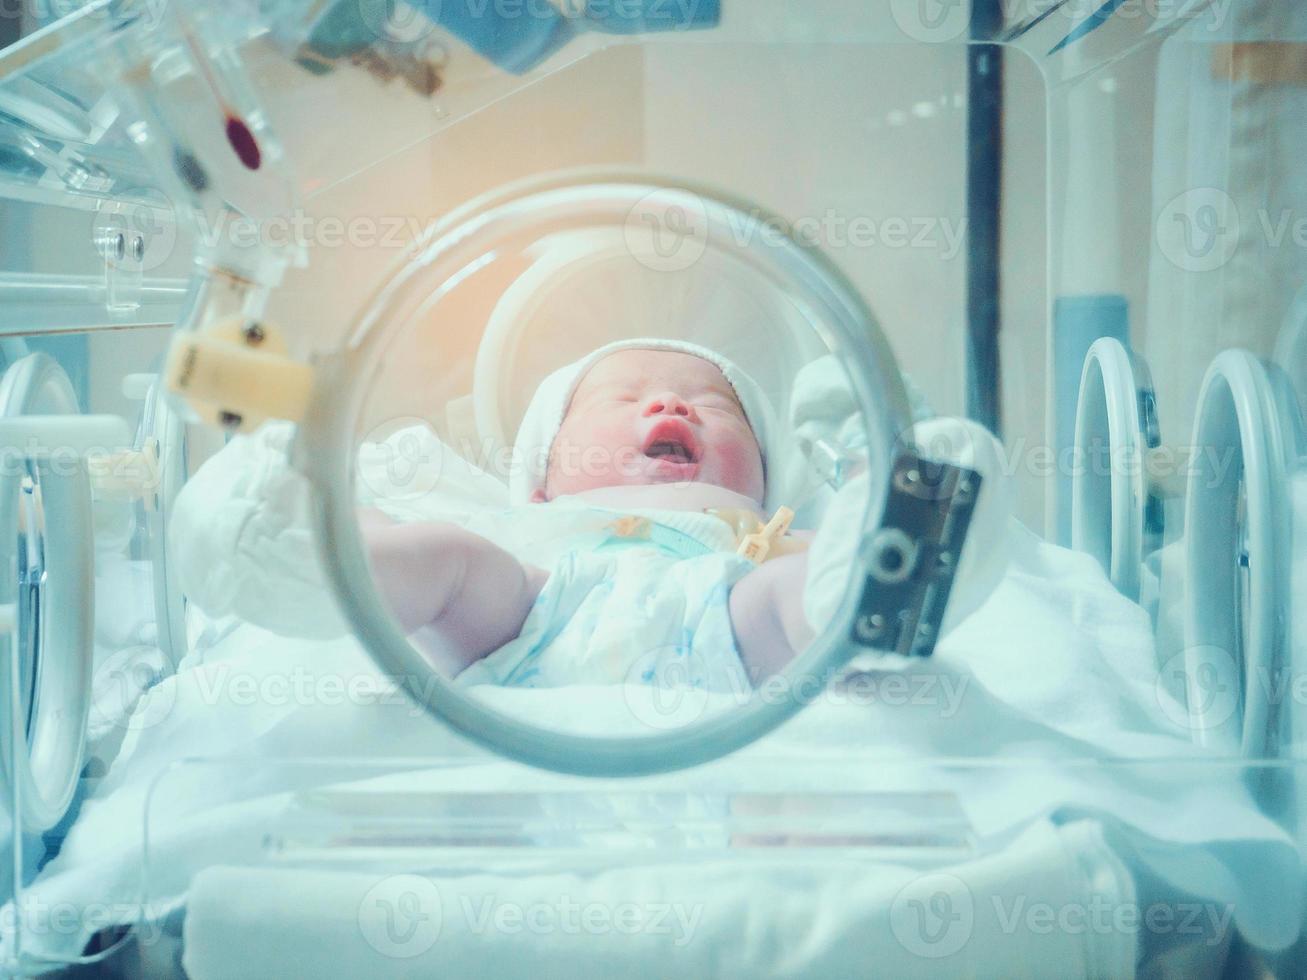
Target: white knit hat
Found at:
x=544, y=416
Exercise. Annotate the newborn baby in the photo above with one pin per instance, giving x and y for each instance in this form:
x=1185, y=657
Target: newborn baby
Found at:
x=654, y=440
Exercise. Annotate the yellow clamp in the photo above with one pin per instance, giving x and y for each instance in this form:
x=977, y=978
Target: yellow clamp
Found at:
x=758, y=545
x=238, y=374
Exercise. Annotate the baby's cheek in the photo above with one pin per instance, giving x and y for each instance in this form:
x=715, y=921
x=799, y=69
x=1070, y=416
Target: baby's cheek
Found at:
x=591, y=452
x=611, y=443
x=741, y=465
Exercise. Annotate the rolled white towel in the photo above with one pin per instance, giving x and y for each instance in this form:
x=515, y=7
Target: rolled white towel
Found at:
x=823, y=407
x=724, y=919
x=242, y=527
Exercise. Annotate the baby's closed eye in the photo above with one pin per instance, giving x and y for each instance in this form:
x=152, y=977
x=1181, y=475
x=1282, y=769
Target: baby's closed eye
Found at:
x=716, y=402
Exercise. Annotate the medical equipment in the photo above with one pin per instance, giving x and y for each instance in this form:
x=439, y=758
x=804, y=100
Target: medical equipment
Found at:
x=377, y=228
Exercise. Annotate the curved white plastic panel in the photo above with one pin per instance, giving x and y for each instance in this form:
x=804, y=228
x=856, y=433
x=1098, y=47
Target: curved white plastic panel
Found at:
x=1115, y=428
x=1237, y=557
x=163, y=434
x=45, y=510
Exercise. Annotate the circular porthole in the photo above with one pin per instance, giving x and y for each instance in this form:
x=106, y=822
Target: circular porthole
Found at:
x=1115, y=515
x=428, y=324
x=1237, y=557
x=161, y=439
x=47, y=566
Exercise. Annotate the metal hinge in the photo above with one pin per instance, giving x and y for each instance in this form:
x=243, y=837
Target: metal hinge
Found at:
x=912, y=559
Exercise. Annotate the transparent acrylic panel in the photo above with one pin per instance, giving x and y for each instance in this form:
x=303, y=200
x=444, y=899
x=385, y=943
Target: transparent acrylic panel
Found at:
x=69, y=268
x=1175, y=201
x=89, y=239
x=952, y=864
x=61, y=130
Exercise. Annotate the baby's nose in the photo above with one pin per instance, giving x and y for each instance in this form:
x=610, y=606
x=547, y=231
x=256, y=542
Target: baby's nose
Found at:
x=669, y=403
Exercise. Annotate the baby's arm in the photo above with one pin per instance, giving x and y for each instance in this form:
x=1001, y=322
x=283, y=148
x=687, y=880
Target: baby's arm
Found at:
x=767, y=616
x=471, y=594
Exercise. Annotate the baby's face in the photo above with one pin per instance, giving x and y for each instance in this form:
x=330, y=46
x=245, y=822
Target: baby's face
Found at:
x=642, y=417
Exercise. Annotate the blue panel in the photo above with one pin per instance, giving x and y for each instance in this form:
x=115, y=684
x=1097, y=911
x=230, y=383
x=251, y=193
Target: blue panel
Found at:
x=72, y=351
x=1077, y=322
x=515, y=37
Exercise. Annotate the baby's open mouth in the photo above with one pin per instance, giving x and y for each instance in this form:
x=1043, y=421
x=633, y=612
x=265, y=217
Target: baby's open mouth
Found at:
x=673, y=451
x=672, y=441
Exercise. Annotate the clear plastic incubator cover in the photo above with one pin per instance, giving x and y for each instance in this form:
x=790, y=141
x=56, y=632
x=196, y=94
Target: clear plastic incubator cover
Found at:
x=391, y=228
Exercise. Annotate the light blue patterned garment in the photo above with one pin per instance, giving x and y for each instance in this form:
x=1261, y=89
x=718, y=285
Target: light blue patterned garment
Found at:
x=635, y=600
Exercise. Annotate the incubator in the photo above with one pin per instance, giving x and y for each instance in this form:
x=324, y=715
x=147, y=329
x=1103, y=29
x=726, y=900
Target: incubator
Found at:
x=1011, y=303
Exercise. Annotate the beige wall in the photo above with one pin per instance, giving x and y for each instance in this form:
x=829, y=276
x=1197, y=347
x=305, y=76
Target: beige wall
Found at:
x=857, y=133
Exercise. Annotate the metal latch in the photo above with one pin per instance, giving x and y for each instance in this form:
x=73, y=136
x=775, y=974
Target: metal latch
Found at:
x=912, y=558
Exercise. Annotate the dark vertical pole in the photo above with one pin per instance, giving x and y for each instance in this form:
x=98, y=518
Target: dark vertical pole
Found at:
x=984, y=180
x=13, y=235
